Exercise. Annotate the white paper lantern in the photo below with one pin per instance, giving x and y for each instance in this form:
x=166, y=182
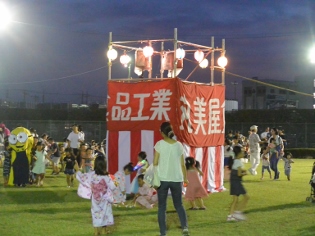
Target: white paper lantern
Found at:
x=180, y=53
x=204, y=63
x=148, y=51
x=112, y=54
x=222, y=61
x=125, y=59
x=199, y=55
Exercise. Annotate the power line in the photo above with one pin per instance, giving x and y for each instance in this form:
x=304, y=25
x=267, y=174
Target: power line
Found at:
x=269, y=85
x=60, y=78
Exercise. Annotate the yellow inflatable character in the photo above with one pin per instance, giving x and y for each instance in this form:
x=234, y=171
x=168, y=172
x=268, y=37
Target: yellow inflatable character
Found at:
x=21, y=142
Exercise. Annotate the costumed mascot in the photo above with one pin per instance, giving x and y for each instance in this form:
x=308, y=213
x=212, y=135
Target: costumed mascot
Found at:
x=21, y=142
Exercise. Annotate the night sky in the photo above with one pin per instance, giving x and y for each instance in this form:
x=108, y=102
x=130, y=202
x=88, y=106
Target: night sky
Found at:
x=50, y=43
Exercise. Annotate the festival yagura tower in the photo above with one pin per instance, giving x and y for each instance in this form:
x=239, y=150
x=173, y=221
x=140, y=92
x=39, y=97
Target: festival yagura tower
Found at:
x=137, y=107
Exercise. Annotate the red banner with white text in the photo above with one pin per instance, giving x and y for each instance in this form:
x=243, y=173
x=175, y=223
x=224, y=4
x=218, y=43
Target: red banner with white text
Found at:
x=196, y=111
x=200, y=120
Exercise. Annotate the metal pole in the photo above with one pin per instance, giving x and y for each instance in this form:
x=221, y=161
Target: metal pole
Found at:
x=150, y=63
x=109, y=60
x=162, y=54
x=212, y=61
x=129, y=65
x=175, y=48
x=223, y=70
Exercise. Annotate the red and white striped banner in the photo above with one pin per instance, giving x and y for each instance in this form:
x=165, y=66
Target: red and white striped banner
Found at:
x=195, y=111
x=123, y=147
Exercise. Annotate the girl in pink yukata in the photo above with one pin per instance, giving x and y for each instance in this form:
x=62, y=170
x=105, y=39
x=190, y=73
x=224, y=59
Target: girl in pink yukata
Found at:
x=101, y=186
x=119, y=192
x=194, y=191
x=146, y=196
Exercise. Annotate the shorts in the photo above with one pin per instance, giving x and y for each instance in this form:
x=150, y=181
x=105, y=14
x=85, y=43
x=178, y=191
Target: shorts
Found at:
x=226, y=161
x=55, y=160
x=287, y=171
x=265, y=168
x=69, y=171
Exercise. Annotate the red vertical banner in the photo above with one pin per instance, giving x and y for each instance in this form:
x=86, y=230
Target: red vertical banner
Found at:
x=200, y=119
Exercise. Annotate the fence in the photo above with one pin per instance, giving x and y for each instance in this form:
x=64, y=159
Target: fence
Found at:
x=297, y=134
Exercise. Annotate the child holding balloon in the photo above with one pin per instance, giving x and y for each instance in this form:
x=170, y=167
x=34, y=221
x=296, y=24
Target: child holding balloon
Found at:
x=141, y=167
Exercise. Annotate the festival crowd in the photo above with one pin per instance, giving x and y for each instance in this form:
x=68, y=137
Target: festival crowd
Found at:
x=170, y=171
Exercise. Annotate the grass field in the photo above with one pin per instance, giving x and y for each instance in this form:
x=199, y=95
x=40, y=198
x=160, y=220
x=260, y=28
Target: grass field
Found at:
x=275, y=208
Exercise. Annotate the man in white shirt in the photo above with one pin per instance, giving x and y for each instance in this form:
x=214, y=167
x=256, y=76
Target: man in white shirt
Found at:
x=74, y=139
x=266, y=134
x=254, y=147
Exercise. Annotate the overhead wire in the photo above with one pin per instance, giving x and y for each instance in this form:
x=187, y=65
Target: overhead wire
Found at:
x=55, y=79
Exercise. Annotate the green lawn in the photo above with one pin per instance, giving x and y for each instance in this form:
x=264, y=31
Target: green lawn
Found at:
x=275, y=208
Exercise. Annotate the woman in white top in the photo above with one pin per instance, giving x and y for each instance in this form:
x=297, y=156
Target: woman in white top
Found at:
x=170, y=164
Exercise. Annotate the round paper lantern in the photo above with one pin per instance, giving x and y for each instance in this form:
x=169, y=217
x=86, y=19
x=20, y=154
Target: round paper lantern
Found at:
x=199, y=55
x=222, y=61
x=180, y=53
x=112, y=54
x=148, y=51
x=204, y=63
x=125, y=59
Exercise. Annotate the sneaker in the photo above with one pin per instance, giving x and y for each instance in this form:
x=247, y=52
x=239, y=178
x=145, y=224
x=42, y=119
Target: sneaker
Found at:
x=231, y=218
x=185, y=232
x=239, y=215
x=251, y=171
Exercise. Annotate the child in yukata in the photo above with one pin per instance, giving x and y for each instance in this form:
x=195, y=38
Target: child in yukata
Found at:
x=146, y=196
x=119, y=193
x=87, y=160
x=101, y=186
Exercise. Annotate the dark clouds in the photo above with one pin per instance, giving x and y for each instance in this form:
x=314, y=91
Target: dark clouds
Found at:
x=267, y=39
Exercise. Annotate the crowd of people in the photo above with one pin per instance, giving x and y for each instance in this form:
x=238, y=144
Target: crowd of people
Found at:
x=46, y=151
x=267, y=147
x=86, y=161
